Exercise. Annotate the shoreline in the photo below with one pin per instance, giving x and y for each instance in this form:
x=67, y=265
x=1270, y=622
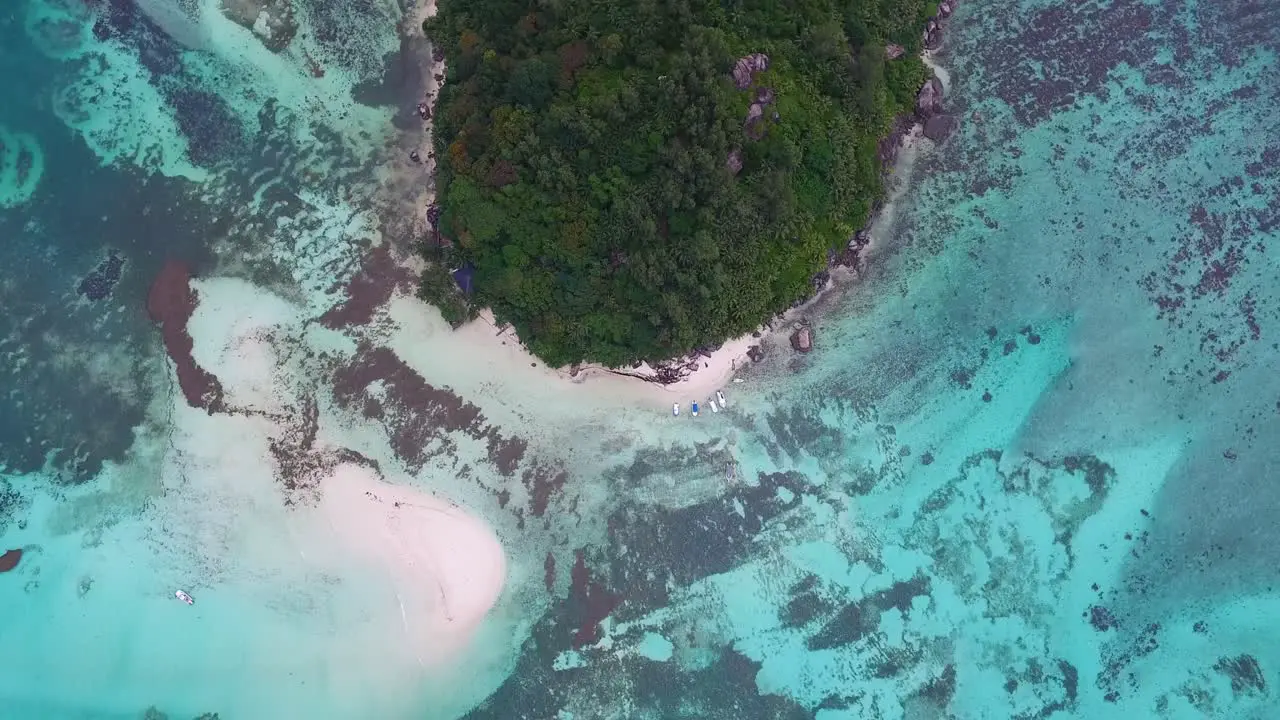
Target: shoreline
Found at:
x=696, y=376
x=495, y=370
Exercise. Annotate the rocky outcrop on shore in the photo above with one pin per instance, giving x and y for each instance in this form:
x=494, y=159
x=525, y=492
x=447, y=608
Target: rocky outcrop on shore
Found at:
x=734, y=161
x=933, y=30
x=802, y=339
x=929, y=99
x=928, y=113
x=754, y=125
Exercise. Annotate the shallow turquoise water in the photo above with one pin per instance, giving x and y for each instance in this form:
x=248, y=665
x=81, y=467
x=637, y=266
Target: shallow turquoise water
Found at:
x=1030, y=470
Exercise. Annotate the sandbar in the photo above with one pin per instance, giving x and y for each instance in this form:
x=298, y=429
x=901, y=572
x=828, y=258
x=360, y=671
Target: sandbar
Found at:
x=448, y=567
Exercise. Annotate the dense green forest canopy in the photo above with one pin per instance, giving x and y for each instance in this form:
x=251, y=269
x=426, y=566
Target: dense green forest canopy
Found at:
x=598, y=168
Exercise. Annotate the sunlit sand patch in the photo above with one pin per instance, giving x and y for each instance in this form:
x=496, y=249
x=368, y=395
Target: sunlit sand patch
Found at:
x=377, y=587
x=428, y=571
x=175, y=20
x=232, y=329
x=410, y=532
x=938, y=69
x=914, y=147
x=379, y=602
x=447, y=566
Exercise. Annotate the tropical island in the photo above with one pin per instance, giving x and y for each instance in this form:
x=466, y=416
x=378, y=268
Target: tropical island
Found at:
x=627, y=182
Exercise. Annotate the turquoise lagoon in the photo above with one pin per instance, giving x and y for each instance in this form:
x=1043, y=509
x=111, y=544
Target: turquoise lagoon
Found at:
x=1029, y=471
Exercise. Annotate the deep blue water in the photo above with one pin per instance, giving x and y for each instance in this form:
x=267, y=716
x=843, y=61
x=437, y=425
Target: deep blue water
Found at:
x=81, y=214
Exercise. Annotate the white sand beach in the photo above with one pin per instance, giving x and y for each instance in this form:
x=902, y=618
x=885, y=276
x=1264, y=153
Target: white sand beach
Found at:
x=417, y=573
x=449, y=563
x=447, y=566
x=482, y=358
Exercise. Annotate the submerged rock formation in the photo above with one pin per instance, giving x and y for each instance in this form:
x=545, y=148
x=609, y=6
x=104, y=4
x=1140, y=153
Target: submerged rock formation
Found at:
x=99, y=283
x=271, y=20
x=938, y=127
x=21, y=167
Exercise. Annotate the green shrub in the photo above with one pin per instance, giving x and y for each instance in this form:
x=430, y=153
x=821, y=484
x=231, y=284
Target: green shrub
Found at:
x=583, y=148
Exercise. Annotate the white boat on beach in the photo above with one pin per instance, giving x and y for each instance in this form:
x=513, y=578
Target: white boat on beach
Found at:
x=184, y=597
x=675, y=409
x=714, y=408
x=720, y=396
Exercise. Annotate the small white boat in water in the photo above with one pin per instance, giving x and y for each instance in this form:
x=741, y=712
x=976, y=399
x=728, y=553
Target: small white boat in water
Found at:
x=714, y=408
x=675, y=409
x=184, y=597
x=720, y=396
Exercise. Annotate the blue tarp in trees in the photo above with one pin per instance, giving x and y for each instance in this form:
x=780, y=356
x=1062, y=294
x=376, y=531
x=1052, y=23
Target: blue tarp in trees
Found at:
x=463, y=276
